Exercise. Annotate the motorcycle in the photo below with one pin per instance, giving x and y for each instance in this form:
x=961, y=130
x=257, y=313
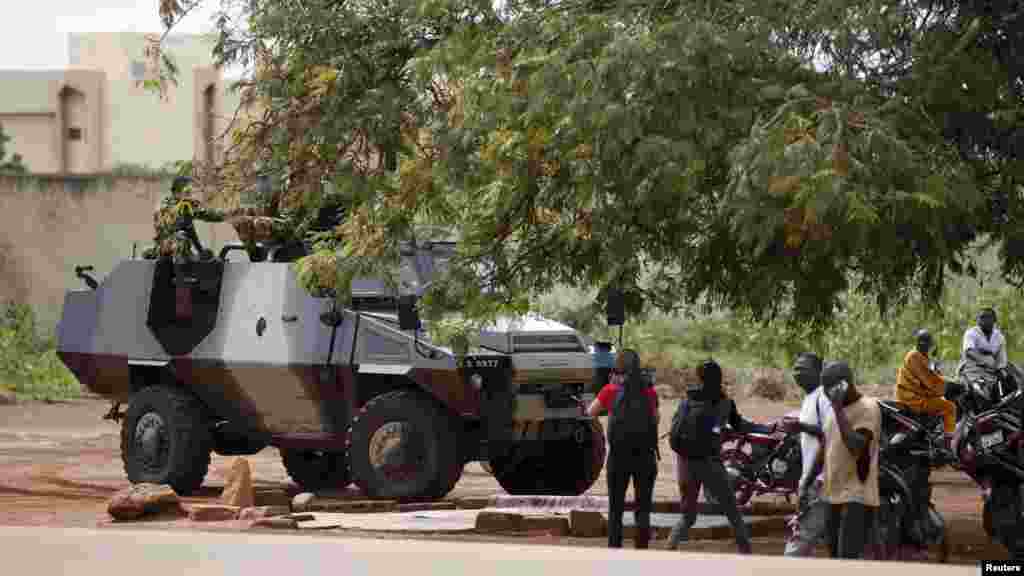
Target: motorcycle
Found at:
x=773, y=465
x=980, y=386
x=989, y=447
x=912, y=445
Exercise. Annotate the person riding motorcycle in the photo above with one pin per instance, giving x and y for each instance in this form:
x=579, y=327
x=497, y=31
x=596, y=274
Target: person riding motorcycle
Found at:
x=921, y=388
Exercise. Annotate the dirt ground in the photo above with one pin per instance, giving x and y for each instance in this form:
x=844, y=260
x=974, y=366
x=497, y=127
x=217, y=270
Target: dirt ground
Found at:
x=59, y=463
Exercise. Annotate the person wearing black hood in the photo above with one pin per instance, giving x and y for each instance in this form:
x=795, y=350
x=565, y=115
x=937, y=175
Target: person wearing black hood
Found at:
x=632, y=406
x=696, y=436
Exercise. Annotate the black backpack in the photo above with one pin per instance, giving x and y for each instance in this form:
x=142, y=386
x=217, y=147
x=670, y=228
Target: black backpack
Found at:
x=693, y=431
x=631, y=426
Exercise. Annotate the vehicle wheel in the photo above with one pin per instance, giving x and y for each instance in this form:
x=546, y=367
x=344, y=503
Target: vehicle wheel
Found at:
x=566, y=468
x=401, y=446
x=450, y=475
x=165, y=439
x=735, y=463
x=314, y=470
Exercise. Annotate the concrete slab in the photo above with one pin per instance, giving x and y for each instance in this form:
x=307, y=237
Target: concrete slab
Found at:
x=465, y=520
x=422, y=521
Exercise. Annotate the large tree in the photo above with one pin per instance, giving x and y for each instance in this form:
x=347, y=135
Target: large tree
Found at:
x=764, y=155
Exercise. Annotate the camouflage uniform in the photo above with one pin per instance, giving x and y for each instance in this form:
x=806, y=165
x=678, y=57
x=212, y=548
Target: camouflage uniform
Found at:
x=175, y=215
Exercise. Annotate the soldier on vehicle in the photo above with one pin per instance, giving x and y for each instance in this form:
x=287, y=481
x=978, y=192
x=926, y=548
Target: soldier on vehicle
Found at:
x=696, y=435
x=849, y=456
x=175, y=231
x=921, y=388
x=632, y=405
x=813, y=512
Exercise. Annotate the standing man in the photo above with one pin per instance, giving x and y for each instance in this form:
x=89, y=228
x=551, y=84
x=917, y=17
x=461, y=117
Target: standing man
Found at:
x=632, y=405
x=698, y=437
x=813, y=512
x=984, y=343
x=849, y=455
x=921, y=388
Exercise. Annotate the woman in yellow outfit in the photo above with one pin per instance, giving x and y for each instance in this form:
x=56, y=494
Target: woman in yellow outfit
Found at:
x=921, y=388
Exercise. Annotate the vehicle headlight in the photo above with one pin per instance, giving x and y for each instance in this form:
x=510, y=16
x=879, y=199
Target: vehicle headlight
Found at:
x=477, y=381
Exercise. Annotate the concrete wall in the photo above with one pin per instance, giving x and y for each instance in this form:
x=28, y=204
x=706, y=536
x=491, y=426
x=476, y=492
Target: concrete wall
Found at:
x=49, y=225
x=32, y=135
x=39, y=108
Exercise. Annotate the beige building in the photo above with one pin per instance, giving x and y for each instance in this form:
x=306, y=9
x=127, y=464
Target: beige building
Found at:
x=95, y=115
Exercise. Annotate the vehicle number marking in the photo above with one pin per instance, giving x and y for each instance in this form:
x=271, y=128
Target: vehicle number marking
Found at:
x=993, y=439
x=480, y=363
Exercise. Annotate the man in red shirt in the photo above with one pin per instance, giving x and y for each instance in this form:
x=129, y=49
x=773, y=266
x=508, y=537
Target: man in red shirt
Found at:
x=632, y=405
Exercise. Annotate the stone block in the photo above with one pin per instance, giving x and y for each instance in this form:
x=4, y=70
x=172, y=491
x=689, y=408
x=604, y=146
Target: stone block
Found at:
x=141, y=499
x=303, y=502
x=276, y=523
x=238, y=490
x=212, y=512
x=271, y=497
x=258, y=512
x=557, y=525
x=489, y=521
x=351, y=506
x=588, y=524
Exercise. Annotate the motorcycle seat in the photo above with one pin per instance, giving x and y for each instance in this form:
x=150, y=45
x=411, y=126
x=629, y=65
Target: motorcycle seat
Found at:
x=926, y=420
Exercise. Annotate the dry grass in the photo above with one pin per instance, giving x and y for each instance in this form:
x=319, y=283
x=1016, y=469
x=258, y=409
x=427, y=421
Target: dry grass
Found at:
x=770, y=384
x=767, y=383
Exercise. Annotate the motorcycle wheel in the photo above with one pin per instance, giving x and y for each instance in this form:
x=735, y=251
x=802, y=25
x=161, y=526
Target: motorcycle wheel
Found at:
x=736, y=463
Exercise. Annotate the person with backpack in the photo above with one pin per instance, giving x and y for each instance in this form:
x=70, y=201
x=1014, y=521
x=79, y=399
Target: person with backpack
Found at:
x=632, y=406
x=696, y=436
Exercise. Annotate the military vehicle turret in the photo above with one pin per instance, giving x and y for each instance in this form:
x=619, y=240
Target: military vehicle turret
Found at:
x=242, y=358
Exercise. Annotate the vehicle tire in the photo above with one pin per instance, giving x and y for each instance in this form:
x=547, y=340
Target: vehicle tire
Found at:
x=448, y=427
x=401, y=446
x=165, y=439
x=566, y=468
x=316, y=470
x=735, y=463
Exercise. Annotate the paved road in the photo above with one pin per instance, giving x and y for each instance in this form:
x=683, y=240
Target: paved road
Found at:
x=86, y=552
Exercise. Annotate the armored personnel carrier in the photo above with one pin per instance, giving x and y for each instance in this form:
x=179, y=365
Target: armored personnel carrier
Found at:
x=240, y=357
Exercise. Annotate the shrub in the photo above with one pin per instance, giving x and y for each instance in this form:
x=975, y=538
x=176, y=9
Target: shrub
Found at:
x=28, y=363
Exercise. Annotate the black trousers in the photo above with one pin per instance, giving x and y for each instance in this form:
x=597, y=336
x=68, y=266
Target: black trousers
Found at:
x=850, y=529
x=642, y=469
x=711, y=474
